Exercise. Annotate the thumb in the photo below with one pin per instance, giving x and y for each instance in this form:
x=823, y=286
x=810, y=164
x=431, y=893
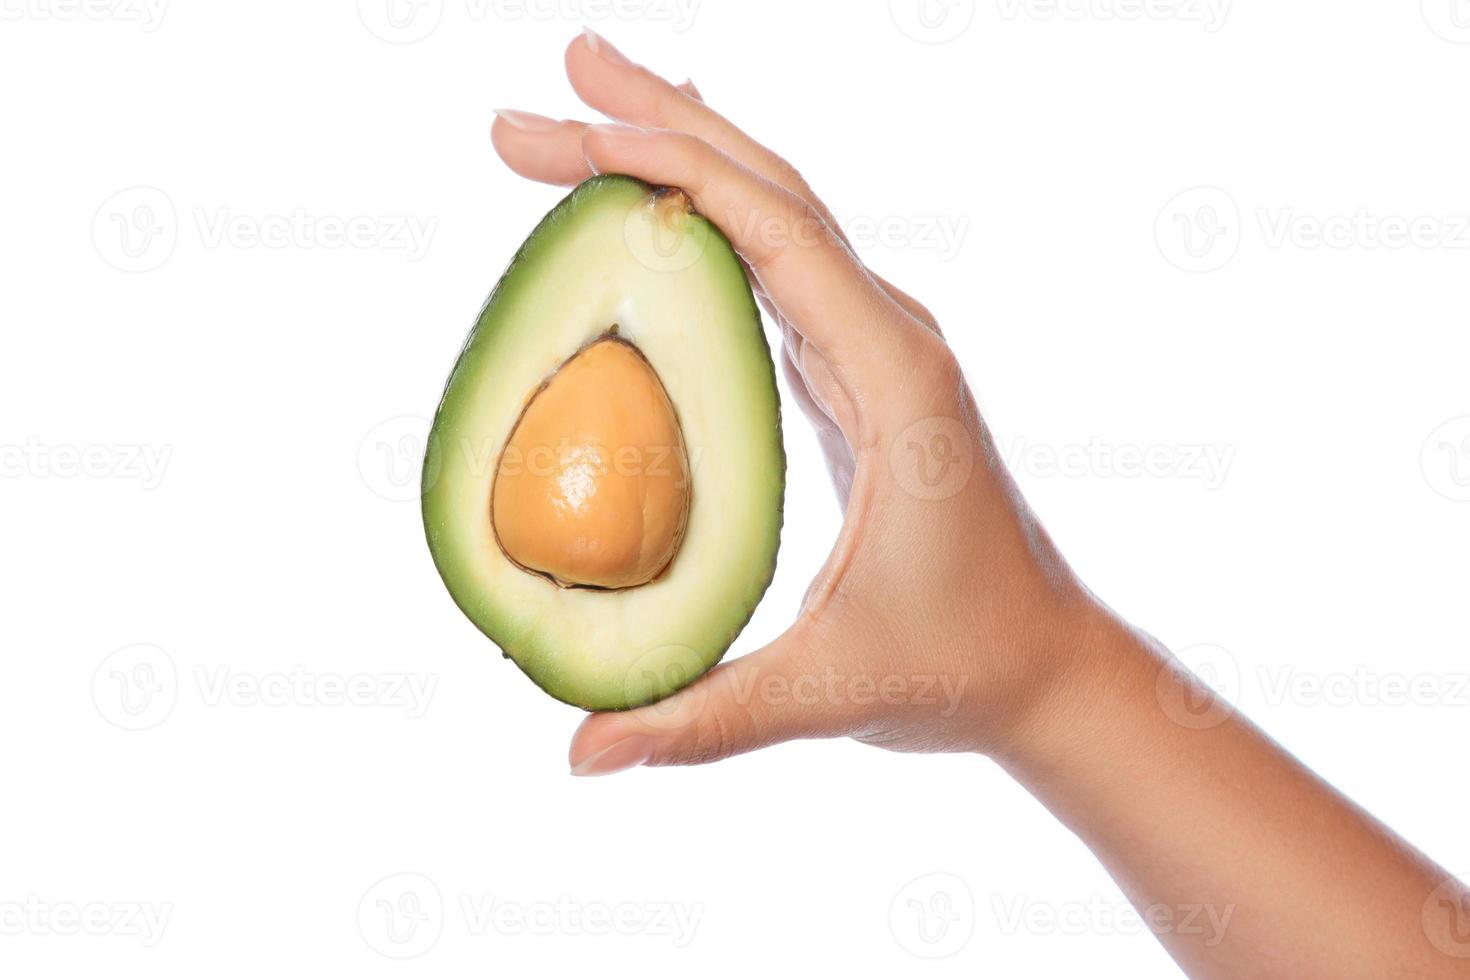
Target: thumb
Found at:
x=737, y=707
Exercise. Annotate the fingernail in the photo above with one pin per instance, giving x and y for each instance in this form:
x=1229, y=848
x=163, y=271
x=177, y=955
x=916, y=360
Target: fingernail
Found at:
x=622, y=754
x=599, y=46
x=527, y=122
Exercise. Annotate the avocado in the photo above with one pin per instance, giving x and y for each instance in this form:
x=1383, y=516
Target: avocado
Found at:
x=603, y=482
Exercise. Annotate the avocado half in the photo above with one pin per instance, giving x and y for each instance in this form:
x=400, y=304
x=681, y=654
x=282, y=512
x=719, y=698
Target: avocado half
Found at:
x=616, y=258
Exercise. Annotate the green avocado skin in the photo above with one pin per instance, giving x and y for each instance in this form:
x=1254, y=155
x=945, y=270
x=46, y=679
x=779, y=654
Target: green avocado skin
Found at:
x=568, y=644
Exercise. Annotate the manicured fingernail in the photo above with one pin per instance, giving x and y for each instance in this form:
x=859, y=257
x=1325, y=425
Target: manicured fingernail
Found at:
x=599, y=46
x=622, y=754
x=527, y=122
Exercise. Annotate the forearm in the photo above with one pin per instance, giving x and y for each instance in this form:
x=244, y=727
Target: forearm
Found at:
x=1201, y=815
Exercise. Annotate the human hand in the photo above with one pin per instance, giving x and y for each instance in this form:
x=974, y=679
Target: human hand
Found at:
x=944, y=617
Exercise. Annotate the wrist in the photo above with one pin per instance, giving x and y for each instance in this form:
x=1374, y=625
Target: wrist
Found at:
x=1104, y=672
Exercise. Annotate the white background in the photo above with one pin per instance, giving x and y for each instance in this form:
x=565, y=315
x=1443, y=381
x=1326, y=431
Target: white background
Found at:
x=1025, y=176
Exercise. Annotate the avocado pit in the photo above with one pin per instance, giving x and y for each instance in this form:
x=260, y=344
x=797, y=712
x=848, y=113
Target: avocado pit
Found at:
x=593, y=487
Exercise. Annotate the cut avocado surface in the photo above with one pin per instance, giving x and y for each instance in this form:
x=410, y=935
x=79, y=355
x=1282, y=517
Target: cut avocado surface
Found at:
x=603, y=484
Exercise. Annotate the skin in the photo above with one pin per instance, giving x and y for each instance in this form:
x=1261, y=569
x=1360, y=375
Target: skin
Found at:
x=1185, y=801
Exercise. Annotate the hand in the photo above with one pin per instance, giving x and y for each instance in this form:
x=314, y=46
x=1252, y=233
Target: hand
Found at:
x=944, y=616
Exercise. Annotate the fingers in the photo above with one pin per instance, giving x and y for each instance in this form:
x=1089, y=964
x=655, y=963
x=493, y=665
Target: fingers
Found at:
x=761, y=699
x=539, y=148
x=809, y=274
x=607, y=81
x=687, y=87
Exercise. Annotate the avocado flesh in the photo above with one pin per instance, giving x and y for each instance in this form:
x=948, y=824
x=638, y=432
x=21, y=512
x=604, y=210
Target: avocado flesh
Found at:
x=616, y=254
